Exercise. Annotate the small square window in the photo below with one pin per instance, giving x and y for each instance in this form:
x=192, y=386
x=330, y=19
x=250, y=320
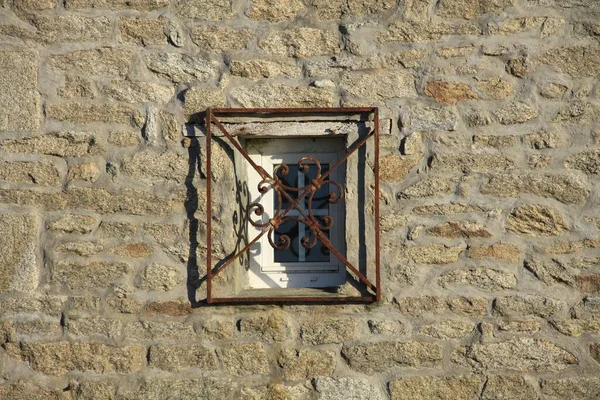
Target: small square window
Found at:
x=303, y=193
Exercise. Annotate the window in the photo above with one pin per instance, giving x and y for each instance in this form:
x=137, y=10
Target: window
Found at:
x=291, y=255
x=288, y=192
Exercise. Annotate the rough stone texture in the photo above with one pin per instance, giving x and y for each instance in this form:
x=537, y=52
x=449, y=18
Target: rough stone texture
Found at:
x=524, y=354
x=211, y=10
x=306, y=364
x=588, y=162
x=382, y=356
x=328, y=331
x=449, y=92
x=57, y=358
x=160, y=277
x=429, y=118
x=550, y=271
x=564, y=188
x=458, y=229
x=535, y=220
x=577, y=61
x=19, y=97
x=100, y=61
x=143, y=31
x=62, y=144
x=470, y=306
x=384, y=86
x=245, y=358
x=259, y=69
x=471, y=163
x=89, y=276
x=436, y=253
x=450, y=329
x=428, y=187
x=19, y=257
x=218, y=38
x=272, y=328
x=422, y=32
x=498, y=251
x=151, y=166
x=42, y=173
x=484, y=278
x=271, y=95
x=393, y=168
x=516, y=113
x=511, y=306
x=275, y=11
x=181, y=68
x=301, y=42
x=508, y=387
x=577, y=387
x=73, y=223
x=175, y=358
x=431, y=387
x=80, y=113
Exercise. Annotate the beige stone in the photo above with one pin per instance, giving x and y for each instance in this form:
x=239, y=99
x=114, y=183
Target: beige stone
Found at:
x=306, y=364
x=458, y=229
x=152, y=167
x=345, y=388
x=178, y=357
x=498, y=251
x=277, y=95
x=185, y=388
x=95, y=389
x=100, y=61
x=336, y=9
x=182, y=68
x=275, y=10
x=143, y=31
x=301, y=42
x=274, y=327
x=467, y=162
x=449, y=329
x=154, y=330
x=49, y=29
x=469, y=9
x=260, y=69
x=42, y=173
x=516, y=113
x=88, y=172
x=525, y=354
x=168, y=308
x=160, y=277
x=62, y=144
x=89, y=276
x=198, y=99
x=435, y=253
x=508, y=387
x=77, y=87
x=393, y=168
x=211, y=10
x=496, y=88
x=423, y=118
x=447, y=209
x=588, y=283
x=327, y=331
x=58, y=358
x=245, y=358
x=33, y=4
x=550, y=271
x=568, y=247
x=19, y=256
x=19, y=96
x=97, y=326
x=466, y=306
x=535, y=220
x=577, y=61
x=138, y=92
x=125, y=138
x=26, y=390
x=421, y=32
x=382, y=356
x=81, y=113
x=484, y=278
x=434, y=387
x=428, y=187
x=580, y=387
x=141, y=5
x=385, y=85
x=544, y=140
x=544, y=26
x=519, y=306
x=499, y=142
x=220, y=38
x=449, y=92
x=134, y=250
x=80, y=248
x=564, y=188
x=587, y=161
x=73, y=223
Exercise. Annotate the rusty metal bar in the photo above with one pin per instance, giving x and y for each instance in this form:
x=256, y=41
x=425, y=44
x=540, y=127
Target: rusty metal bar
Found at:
x=333, y=110
x=376, y=172
x=208, y=208
x=239, y=253
x=295, y=299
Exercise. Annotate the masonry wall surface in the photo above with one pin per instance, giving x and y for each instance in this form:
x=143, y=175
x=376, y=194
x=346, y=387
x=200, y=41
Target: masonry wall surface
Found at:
x=490, y=198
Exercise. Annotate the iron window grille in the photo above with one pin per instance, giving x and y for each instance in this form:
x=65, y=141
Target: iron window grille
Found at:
x=274, y=181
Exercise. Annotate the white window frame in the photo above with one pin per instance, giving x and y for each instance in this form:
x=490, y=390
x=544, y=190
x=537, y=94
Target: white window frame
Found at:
x=263, y=271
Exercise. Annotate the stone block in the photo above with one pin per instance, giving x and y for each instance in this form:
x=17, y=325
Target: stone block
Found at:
x=516, y=113
x=460, y=229
x=588, y=283
x=143, y=31
x=393, y=168
x=535, y=220
x=498, y=251
x=564, y=188
x=449, y=92
x=178, y=357
x=81, y=113
x=154, y=167
x=508, y=387
x=70, y=223
x=435, y=253
x=435, y=387
x=160, y=277
x=125, y=138
x=464, y=306
x=140, y=5
x=100, y=61
x=274, y=10
x=168, y=308
x=469, y=9
x=337, y=9
x=449, y=329
x=154, y=330
x=26, y=390
x=328, y=330
x=93, y=327
x=101, y=390
x=580, y=387
x=422, y=32
x=88, y=172
x=587, y=161
x=277, y=95
x=447, y=209
x=524, y=354
x=346, y=389
x=208, y=10
x=306, y=364
x=496, y=88
x=94, y=275
x=219, y=38
x=31, y=303
x=550, y=271
x=19, y=97
x=138, y=92
x=260, y=69
x=61, y=144
x=385, y=85
x=576, y=61
x=69, y=28
x=19, y=268
x=301, y=42
x=483, y=278
x=245, y=358
x=422, y=118
x=274, y=327
x=206, y=388
x=383, y=356
x=182, y=68
x=528, y=305
x=38, y=173
x=58, y=358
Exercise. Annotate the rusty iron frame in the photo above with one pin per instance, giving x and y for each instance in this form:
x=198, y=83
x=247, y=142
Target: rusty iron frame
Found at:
x=269, y=182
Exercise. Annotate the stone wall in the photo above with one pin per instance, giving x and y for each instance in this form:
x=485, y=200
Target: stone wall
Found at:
x=491, y=228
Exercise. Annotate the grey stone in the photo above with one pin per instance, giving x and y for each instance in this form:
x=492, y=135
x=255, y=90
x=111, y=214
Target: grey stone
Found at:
x=100, y=61
x=433, y=387
x=587, y=161
x=383, y=356
x=346, y=389
x=516, y=113
x=385, y=85
x=182, y=68
x=484, y=278
x=535, y=220
x=301, y=42
x=277, y=95
x=498, y=387
x=519, y=306
x=428, y=118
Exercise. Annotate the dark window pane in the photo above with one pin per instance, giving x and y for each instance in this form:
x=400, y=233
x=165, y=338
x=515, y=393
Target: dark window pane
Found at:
x=321, y=196
x=319, y=253
x=289, y=228
x=290, y=179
